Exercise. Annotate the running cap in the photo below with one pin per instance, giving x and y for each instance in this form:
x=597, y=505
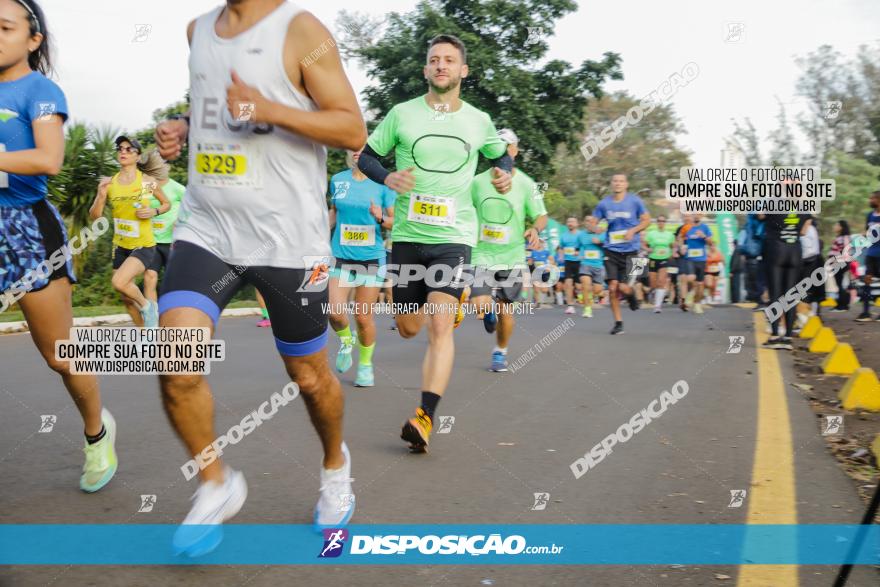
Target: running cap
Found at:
x=133, y=142
x=508, y=136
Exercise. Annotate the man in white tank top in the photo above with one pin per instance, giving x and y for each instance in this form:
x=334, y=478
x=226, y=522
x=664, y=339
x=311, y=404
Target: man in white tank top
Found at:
x=267, y=93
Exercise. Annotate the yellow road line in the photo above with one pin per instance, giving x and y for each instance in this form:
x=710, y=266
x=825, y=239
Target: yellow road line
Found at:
x=772, y=495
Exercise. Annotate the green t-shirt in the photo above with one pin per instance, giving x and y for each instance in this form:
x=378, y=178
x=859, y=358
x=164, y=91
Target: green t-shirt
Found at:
x=502, y=220
x=443, y=148
x=163, y=224
x=660, y=242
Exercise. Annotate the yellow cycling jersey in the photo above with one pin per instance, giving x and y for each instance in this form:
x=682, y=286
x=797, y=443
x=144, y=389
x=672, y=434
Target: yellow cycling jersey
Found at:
x=129, y=231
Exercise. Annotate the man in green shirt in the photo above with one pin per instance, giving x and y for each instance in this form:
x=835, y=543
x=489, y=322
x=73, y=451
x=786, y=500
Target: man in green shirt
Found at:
x=499, y=257
x=436, y=139
x=153, y=165
x=660, y=243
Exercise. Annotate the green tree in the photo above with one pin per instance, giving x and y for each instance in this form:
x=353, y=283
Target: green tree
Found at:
x=854, y=127
x=783, y=149
x=647, y=152
x=868, y=65
x=89, y=154
x=745, y=137
x=179, y=167
x=542, y=103
x=854, y=180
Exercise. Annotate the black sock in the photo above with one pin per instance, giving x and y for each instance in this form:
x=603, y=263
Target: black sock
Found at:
x=429, y=403
x=618, y=322
x=866, y=298
x=97, y=437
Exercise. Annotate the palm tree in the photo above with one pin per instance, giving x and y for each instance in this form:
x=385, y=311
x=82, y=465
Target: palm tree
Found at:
x=88, y=155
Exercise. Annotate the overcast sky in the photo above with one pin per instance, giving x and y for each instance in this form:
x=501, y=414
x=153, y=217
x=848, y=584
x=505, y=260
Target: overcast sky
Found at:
x=95, y=53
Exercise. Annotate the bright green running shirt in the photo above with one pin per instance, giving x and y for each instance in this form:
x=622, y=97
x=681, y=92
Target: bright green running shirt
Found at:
x=442, y=147
x=502, y=220
x=660, y=242
x=163, y=224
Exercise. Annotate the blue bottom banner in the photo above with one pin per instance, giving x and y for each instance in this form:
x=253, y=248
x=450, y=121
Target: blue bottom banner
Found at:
x=454, y=544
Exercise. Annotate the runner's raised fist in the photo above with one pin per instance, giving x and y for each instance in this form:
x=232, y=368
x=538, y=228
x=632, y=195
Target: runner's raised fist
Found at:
x=170, y=136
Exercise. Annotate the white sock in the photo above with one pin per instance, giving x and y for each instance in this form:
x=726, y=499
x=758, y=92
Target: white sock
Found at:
x=659, y=295
x=498, y=349
x=559, y=298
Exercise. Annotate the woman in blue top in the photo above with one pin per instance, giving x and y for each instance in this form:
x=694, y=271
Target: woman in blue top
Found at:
x=359, y=209
x=35, y=266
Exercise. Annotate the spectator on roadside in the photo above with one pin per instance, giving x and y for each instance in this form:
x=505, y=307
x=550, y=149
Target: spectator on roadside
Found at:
x=751, y=245
x=841, y=241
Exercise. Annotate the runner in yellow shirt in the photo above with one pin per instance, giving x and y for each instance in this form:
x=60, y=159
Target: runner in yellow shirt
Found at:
x=130, y=192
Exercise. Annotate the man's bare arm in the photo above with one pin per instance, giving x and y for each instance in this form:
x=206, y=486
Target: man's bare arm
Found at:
x=338, y=122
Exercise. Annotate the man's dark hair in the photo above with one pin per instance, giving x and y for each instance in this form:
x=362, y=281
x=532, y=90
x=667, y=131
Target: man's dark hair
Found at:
x=452, y=40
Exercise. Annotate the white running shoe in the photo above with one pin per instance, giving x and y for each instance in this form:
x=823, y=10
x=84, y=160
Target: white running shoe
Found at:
x=336, y=504
x=214, y=503
x=569, y=310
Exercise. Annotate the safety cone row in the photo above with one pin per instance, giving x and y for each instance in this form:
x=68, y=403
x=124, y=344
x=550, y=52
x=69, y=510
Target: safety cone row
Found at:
x=824, y=341
x=862, y=389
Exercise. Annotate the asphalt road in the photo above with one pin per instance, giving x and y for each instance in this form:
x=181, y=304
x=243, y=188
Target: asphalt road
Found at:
x=514, y=435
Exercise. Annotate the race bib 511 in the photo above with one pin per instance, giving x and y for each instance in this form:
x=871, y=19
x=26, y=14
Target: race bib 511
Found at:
x=434, y=210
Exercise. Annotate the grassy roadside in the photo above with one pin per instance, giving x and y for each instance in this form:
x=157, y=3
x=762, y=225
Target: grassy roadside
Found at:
x=87, y=311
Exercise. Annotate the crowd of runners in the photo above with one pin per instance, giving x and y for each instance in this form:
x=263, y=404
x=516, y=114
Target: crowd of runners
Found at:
x=255, y=212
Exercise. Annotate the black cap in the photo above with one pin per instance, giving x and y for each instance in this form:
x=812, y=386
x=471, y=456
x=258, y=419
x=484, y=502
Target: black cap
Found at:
x=133, y=142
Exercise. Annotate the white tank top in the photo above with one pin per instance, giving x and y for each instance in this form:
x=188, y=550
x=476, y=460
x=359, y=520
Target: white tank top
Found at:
x=255, y=195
